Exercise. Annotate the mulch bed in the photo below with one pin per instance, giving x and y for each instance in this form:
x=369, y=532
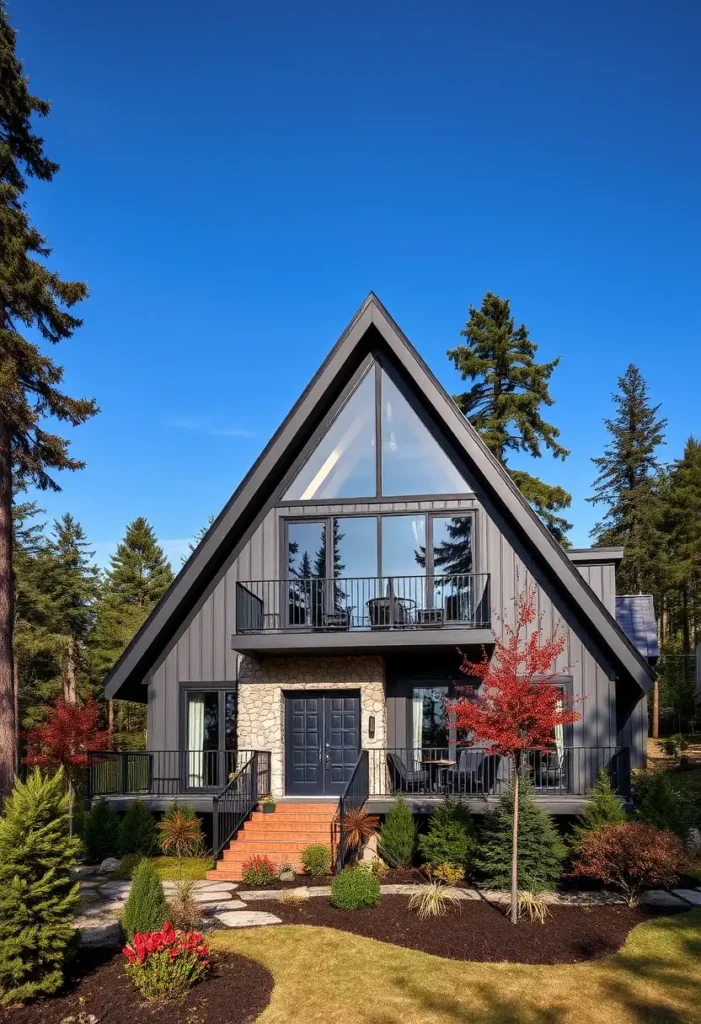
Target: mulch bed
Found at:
x=396, y=876
x=236, y=992
x=479, y=931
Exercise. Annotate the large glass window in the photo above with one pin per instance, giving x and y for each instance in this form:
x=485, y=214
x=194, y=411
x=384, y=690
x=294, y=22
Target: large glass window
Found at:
x=210, y=725
x=403, y=545
x=307, y=568
x=343, y=463
x=429, y=717
x=412, y=460
x=355, y=561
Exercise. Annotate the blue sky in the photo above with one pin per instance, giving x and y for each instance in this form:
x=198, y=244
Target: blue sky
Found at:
x=236, y=177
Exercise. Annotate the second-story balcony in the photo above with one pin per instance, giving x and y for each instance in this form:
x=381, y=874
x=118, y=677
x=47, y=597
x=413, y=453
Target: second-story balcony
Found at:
x=368, y=607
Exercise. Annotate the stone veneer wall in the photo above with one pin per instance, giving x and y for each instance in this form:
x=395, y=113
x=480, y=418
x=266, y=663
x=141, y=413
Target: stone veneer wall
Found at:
x=261, y=709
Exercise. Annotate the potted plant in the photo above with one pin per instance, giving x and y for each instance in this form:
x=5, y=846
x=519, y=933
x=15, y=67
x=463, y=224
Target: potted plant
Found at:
x=268, y=804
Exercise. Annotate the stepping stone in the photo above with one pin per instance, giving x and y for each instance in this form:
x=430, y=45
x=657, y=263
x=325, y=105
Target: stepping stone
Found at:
x=115, y=888
x=99, y=932
x=690, y=895
x=215, y=886
x=218, y=907
x=661, y=898
x=88, y=886
x=247, y=919
x=211, y=897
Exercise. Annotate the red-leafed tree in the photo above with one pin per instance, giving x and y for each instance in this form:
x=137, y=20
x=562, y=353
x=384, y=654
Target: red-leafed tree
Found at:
x=516, y=707
x=65, y=740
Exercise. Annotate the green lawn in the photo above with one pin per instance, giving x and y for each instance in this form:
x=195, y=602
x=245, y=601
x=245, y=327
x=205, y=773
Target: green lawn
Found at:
x=192, y=868
x=323, y=975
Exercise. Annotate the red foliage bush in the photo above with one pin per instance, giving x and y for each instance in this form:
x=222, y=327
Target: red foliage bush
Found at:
x=166, y=964
x=258, y=870
x=630, y=857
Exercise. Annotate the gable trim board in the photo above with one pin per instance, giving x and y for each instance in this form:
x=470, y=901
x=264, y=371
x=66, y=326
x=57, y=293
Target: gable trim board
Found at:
x=371, y=333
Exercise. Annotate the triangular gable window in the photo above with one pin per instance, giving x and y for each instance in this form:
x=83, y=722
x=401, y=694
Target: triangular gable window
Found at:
x=344, y=463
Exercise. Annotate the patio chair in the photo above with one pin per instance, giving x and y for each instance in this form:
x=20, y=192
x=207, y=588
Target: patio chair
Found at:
x=464, y=778
x=403, y=780
x=487, y=773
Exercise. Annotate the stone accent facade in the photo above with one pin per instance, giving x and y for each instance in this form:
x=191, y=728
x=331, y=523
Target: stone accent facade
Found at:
x=261, y=711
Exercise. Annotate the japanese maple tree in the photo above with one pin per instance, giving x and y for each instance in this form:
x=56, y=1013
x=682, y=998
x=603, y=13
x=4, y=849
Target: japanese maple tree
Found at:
x=65, y=740
x=516, y=708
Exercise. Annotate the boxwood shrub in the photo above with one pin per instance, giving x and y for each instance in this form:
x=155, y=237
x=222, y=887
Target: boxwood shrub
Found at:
x=354, y=889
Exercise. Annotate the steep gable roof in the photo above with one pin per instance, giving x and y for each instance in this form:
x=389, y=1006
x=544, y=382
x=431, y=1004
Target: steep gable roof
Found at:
x=371, y=332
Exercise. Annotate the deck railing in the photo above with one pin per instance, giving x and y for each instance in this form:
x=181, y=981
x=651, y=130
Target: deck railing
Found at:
x=163, y=772
x=363, y=603
x=456, y=771
x=231, y=807
x=353, y=797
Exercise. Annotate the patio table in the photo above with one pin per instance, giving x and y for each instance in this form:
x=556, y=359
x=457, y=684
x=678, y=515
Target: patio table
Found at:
x=437, y=771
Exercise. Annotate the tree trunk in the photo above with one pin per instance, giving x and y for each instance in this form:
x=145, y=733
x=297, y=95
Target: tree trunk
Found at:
x=70, y=688
x=8, y=722
x=655, y=710
x=686, y=634
x=514, y=853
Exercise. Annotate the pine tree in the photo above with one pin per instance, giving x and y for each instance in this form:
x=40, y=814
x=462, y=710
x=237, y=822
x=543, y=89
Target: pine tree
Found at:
x=146, y=909
x=504, y=403
x=681, y=525
x=101, y=832
x=138, y=831
x=397, y=841
x=33, y=298
x=541, y=851
x=602, y=808
x=38, y=897
x=628, y=485
x=198, y=538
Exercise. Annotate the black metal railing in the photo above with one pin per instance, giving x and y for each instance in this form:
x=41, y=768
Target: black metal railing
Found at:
x=363, y=603
x=353, y=797
x=231, y=807
x=456, y=771
x=161, y=772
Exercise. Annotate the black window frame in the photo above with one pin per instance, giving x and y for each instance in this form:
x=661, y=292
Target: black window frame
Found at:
x=221, y=688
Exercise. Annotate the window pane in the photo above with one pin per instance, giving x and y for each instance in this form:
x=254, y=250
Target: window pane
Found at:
x=430, y=718
x=412, y=460
x=343, y=463
x=230, y=720
x=355, y=562
x=306, y=561
x=403, y=545
x=452, y=545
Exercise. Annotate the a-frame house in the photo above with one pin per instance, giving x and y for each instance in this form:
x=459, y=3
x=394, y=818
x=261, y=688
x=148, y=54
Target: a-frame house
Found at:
x=308, y=644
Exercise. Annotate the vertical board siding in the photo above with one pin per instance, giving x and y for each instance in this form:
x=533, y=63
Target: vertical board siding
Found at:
x=203, y=649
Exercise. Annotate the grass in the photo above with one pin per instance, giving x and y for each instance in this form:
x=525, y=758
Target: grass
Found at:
x=194, y=869
x=322, y=974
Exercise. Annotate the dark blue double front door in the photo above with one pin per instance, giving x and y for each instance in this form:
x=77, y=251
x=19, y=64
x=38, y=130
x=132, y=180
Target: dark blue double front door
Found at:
x=322, y=741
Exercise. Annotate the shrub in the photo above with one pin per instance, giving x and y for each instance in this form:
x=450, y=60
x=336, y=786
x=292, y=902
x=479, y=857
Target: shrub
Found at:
x=377, y=866
x=38, y=897
x=533, y=905
x=603, y=808
x=100, y=832
x=355, y=888
x=138, y=832
x=541, y=852
x=433, y=900
x=316, y=859
x=398, y=835
x=674, y=745
x=125, y=870
x=165, y=964
x=146, y=909
x=180, y=831
x=258, y=870
x=630, y=857
x=658, y=802
x=293, y=897
x=450, y=837
x=448, y=873
x=358, y=827
x=185, y=912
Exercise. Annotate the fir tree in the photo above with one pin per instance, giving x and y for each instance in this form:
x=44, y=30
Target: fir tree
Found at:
x=198, y=538
x=397, y=840
x=628, y=485
x=505, y=401
x=681, y=525
x=33, y=298
x=38, y=897
x=603, y=808
x=146, y=909
x=541, y=851
x=101, y=832
x=138, y=831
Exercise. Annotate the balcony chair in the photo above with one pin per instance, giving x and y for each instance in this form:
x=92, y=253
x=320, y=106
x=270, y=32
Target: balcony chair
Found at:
x=404, y=780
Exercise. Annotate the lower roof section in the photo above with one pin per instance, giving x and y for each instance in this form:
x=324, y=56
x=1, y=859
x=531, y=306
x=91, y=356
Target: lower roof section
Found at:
x=361, y=642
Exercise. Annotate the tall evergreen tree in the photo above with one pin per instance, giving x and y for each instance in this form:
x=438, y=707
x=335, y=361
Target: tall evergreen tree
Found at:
x=505, y=401
x=681, y=525
x=628, y=485
x=198, y=538
x=32, y=297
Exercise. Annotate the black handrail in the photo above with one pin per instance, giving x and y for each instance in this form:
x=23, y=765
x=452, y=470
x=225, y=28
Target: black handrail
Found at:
x=231, y=807
x=353, y=797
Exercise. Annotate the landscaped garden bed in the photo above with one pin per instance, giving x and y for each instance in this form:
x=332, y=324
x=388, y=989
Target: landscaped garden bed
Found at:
x=235, y=991
x=479, y=931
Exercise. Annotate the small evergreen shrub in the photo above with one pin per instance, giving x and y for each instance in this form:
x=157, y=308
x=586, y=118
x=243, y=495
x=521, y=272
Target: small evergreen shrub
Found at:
x=658, y=802
x=354, y=889
x=448, y=873
x=258, y=870
x=398, y=835
x=378, y=867
x=450, y=838
x=316, y=859
x=38, y=897
x=603, y=808
x=125, y=870
x=165, y=964
x=181, y=832
x=100, y=832
x=146, y=909
x=138, y=832
x=630, y=858
x=541, y=851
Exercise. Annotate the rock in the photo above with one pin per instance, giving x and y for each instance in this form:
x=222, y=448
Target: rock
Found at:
x=247, y=918
x=108, y=864
x=287, y=876
x=99, y=932
x=81, y=870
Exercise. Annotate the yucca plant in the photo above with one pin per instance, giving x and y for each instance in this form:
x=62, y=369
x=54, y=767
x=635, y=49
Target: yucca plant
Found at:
x=533, y=905
x=434, y=899
x=358, y=827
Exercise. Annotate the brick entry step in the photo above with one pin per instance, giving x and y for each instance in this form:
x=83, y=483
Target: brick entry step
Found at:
x=281, y=836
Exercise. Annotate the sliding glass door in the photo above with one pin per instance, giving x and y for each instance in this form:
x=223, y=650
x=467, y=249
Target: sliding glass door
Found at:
x=210, y=736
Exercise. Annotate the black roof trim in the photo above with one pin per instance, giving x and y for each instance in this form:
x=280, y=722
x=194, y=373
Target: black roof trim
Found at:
x=372, y=326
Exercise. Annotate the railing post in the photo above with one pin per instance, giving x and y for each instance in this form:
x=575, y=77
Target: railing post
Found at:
x=254, y=780
x=125, y=773
x=215, y=829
